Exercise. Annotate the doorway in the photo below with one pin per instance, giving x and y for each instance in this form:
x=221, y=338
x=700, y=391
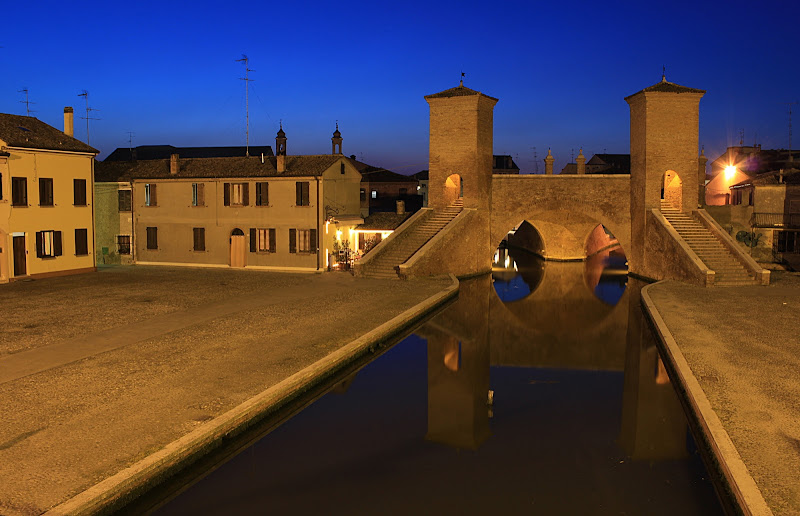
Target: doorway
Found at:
x=237, y=248
x=20, y=264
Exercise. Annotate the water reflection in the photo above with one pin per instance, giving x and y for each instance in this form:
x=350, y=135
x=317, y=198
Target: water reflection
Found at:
x=583, y=420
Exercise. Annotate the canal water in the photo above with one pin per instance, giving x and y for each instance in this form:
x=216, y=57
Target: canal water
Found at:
x=539, y=391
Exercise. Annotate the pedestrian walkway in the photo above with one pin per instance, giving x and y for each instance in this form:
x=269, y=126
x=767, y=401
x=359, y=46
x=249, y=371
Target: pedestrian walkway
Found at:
x=738, y=352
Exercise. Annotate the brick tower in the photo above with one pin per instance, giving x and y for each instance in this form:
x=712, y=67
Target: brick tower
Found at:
x=664, y=143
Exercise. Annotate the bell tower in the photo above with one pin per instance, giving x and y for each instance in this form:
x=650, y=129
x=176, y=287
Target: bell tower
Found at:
x=280, y=142
x=336, y=140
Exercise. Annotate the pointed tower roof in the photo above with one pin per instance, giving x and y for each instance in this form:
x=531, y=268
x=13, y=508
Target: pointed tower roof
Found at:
x=458, y=91
x=664, y=86
x=281, y=134
x=336, y=133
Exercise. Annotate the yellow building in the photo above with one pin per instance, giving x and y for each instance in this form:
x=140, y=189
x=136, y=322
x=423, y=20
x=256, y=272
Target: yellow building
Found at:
x=46, y=199
x=273, y=212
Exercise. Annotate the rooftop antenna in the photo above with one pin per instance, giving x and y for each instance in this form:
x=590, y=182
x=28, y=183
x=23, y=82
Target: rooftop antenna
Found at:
x=246, y=80
x=535, y=161
x=461, y=82
x=85, y=94
x=572, y=155
x=27, y=102
x=791, y=154
x=663, y=73
x=130, y=141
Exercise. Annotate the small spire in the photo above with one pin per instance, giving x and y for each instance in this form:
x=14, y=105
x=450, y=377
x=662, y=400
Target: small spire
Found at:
x=663, y=73
x=548, y=152
x=461, y=82
x=703, y=150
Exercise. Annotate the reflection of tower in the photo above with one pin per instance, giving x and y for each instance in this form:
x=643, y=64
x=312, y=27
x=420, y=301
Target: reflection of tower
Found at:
x=653, y=425
x=458, y=368
x=664, y=139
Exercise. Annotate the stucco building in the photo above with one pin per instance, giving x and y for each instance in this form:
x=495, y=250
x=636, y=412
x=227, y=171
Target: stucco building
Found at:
x=46, y=199
x=278, y=212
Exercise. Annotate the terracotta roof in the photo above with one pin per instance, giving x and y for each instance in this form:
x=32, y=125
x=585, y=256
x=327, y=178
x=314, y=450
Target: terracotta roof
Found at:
x=144, y=152
x=386, y=176
x=31, y=133
x=296, y=166
x=458, y=91
x=384, y=220
x=667, y=87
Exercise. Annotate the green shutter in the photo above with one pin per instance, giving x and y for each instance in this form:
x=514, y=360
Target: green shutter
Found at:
x=298, y=194
x=39, y=244
x=271, y=239
x=313, y=241
x=57, y=243
x=226, y=194
x=245, y=194
x=253, y=240
x=293, y=240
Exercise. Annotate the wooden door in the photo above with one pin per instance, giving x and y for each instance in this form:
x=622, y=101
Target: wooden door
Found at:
x=20, y=266
x=237, y=251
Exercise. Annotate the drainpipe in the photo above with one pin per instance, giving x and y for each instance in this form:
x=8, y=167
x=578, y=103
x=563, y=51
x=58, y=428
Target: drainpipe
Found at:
x=94, y=226
x=318, y=235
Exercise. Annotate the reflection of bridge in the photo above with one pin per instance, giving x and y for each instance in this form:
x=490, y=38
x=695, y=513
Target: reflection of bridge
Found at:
x=564, y=210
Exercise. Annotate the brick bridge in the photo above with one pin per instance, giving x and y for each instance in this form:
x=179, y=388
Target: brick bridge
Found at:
x=653, y=212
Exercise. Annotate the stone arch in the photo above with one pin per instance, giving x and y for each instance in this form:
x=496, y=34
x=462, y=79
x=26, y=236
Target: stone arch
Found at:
x=605, y=268
x=453, y=188
x=672, y=189
x=517, y=265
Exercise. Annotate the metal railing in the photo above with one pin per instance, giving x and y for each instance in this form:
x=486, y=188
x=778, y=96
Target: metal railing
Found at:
x=775, y=220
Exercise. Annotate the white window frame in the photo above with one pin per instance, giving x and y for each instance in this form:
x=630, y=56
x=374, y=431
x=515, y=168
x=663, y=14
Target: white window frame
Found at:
x=48, y=246
x=237, y=191
x=303, y=240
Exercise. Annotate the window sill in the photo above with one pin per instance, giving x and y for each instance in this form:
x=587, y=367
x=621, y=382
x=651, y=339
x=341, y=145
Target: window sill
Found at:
x=198, y=206
x=263, y=206
x=48, y=205
x=264, y=252
x=199, y=250
x=81, y=205
x=20, y=205
x=150, y=206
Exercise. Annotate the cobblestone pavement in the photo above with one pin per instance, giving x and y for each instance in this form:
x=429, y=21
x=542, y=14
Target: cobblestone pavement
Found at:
x=94, y=411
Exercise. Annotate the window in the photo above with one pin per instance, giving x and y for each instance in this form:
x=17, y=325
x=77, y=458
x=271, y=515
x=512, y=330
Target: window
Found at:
x=48, y=244
x=79, y=192
x=302, y=193
x=262, y=194
x=124, y=200
x=787, y=241
x=81, y=242
x=152, y=238
x=198, y=194
x=374, y=194
x=124, y=243
x=302, y=240
x=363, y=194
x=45, y=191
x=262, y=240
x=150, y=195
x=199, y=239
x=236, y=194
x=342, y=168
x=19, y=191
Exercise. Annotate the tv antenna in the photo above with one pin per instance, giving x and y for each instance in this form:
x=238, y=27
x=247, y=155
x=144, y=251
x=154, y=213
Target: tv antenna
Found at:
x=791, y=154
x=246, y=80
x=85, y=94
x=535, y=161
x=27, y=102
x=130, y=141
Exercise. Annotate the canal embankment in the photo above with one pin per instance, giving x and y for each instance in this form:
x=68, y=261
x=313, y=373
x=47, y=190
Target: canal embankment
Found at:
x=734, y=354
x=84, y=433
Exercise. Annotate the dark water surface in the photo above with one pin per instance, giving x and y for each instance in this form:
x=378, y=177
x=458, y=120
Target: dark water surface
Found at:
x=583, y=419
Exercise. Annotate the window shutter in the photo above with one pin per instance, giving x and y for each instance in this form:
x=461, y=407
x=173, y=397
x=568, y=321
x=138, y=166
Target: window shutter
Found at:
x=253, y=240
x=153, y=201
x=299, y=197
x=306, y=201
x=265, y=194
x=271, y=240
x=39, y=245
x=245, y=194
x=201, y=201
x=312, y=245
x=293, y=240
x=75, y=194
x=57, y=243
x=226, y=194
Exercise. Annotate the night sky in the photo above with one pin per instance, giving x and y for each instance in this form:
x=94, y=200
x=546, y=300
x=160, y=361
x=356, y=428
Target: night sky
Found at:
x=560, y=69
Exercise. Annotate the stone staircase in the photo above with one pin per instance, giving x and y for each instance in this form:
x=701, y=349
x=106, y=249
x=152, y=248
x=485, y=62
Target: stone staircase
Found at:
x=385, y=265
x=728, y=270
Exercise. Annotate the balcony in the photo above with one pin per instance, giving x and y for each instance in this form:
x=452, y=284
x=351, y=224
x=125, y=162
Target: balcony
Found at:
x=775, y=220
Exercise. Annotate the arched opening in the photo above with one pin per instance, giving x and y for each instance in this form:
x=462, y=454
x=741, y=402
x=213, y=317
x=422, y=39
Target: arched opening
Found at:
x=517, y=266
x=606, y=266
x=672, y=190
x=237, y=248
x=453, y=188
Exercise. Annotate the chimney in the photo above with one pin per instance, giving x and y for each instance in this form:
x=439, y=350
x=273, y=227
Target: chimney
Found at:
x=401, y=207
x=581, y=162
x=281, y=163
x=548, y=163
x=173, y=164
x=68, y=117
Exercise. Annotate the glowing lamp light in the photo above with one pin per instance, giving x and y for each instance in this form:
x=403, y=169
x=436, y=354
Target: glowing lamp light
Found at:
x=730, y=171
x=338, y=234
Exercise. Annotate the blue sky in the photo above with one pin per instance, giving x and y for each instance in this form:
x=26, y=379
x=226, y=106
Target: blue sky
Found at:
x=169, y=74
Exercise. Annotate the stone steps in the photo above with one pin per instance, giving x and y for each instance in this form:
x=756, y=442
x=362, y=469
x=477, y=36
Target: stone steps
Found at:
x=385, y=265
x=728, y=270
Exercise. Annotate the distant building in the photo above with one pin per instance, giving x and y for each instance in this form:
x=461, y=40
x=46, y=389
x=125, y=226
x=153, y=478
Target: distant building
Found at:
x=740, y=163
x=422, y=188
x=381, y=189
x=603, y=164
x=280, y=212
x=148, y=152
x=46, y=199
x=504, y=164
